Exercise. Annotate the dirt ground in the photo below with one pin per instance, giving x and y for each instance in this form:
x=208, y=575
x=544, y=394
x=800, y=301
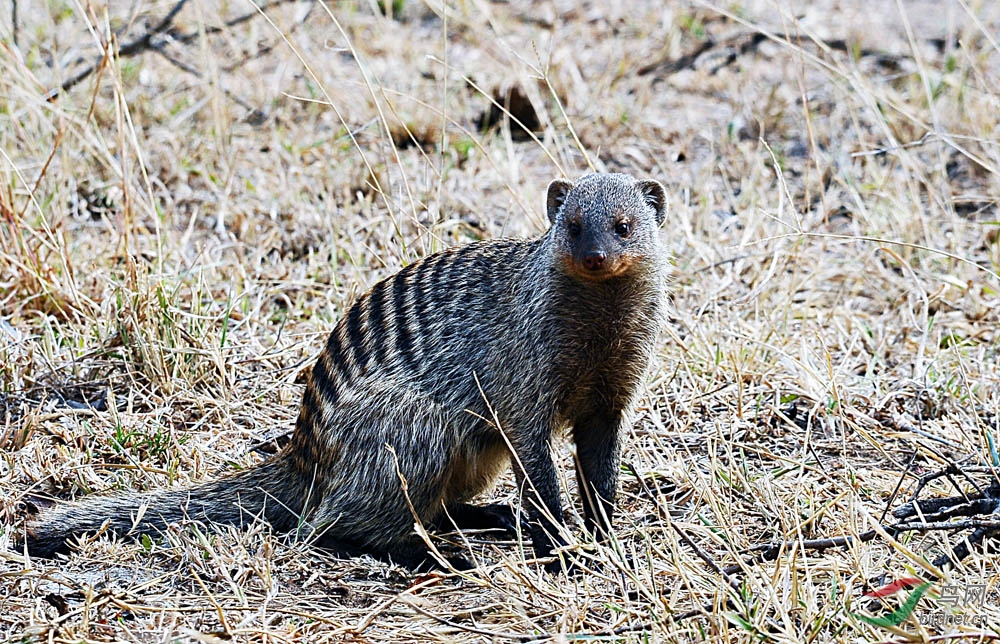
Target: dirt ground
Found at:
x=191, y=194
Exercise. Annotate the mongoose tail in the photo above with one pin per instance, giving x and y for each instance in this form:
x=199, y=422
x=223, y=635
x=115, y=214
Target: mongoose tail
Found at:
x=266, y=491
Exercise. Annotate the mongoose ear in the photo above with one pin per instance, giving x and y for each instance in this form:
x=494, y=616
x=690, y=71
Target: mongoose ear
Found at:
x=656, y=196
x=557, y=192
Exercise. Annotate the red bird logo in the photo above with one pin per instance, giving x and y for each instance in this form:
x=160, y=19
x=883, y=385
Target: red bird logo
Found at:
x=895, y=586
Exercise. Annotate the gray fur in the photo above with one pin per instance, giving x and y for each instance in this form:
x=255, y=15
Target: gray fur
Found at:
x=413, y=377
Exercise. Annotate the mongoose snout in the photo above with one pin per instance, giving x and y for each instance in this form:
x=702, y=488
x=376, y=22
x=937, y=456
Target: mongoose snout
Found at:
x=593, y=260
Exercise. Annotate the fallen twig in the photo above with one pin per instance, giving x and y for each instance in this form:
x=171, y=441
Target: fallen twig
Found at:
x=149, y=41
x=745, y=42
x=770, y=551
x=131, y=48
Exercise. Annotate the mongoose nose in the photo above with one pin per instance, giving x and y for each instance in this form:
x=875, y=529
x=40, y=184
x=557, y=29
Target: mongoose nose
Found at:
x=594, y=260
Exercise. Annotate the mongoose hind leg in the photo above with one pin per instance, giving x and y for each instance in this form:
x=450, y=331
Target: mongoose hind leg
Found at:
x=492, y=516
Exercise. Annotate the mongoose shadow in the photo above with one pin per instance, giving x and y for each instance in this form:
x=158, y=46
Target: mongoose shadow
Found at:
x=437, y=377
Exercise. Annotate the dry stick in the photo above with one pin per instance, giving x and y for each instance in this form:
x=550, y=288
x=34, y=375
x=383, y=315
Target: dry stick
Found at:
x=140, y=44
x=220, y=612
x=735, y=585
x=263, y=50
x=329, y=101
x=366, y=76
x=670, y=66
x=899, y=484
x=418, y=524
x=961, y=508
x=963, y=548
x=711, y=563
x=256, y=115
x=770, y=551
x=751, y=40
x=698, y=551
x=744, y=49
x=13, y=21
x=621, y=630
x=933, y=509
x=952, y=469
x=929, y=526
x=933, y=506
x=838, y=71
x=38, y=180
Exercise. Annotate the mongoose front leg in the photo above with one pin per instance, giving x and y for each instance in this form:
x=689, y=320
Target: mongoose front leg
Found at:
x=539, y=491
x=598, y=453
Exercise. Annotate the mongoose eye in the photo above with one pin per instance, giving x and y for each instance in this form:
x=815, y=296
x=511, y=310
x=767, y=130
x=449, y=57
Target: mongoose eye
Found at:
x=574, y=229
x=623, y=229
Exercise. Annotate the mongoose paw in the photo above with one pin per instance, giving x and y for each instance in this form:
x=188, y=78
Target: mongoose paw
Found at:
x=565, y=563
x=546, y=548
x=558, y=565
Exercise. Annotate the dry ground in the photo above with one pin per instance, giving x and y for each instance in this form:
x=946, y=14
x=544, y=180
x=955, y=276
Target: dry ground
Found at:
x=182, y=226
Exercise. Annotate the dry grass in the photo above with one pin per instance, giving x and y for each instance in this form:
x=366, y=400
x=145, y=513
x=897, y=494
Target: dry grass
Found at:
x=174, y=245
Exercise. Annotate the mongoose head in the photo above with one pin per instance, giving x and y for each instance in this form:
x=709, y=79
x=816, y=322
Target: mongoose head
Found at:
x=604, y=225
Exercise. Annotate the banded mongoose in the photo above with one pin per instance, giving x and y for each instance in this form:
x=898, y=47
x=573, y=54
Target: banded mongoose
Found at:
x=439, y=375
